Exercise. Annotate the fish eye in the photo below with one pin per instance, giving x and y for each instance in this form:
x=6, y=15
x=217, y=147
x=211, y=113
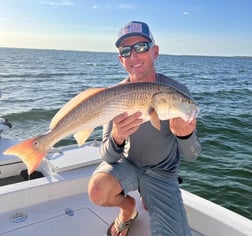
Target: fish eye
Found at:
x=35, y=143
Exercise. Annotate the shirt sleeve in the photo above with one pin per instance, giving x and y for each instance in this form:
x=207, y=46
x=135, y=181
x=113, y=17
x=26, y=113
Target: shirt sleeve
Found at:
x=189, y=148
x=110, y=151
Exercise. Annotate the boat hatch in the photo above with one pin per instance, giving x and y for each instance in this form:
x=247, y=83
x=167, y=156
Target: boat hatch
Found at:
x=71, y=158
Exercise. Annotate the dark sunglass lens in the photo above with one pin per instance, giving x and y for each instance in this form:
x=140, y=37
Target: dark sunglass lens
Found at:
x=141, y=47
x=125, y=51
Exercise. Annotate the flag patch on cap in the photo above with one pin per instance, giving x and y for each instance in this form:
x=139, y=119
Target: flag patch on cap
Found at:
x=133, y=27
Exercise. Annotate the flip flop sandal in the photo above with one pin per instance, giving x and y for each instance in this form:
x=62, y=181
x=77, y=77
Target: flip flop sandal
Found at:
x=121, y=226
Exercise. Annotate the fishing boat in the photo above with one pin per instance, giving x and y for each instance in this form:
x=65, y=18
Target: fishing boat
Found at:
x=54, y=200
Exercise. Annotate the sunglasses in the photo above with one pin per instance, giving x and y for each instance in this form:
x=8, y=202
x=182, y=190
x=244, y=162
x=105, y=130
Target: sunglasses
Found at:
x=138, y=47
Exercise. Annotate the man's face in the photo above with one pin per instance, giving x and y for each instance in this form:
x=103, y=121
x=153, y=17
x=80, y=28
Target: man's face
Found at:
x=139, y=65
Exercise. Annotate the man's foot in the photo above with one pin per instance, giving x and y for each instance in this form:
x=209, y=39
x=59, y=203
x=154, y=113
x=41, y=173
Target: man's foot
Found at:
x=118, y=228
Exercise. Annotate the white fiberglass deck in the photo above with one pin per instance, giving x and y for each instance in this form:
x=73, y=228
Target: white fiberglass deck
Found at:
x=58, y=204
x=59, y=208
x=73, y=215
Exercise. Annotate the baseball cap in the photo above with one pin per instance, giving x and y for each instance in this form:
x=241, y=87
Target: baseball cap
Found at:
x=134, y=28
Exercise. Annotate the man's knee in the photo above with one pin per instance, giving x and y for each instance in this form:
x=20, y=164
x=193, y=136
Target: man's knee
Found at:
x=101, y=187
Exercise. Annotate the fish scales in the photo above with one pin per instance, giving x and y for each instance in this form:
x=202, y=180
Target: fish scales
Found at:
x=105, y=105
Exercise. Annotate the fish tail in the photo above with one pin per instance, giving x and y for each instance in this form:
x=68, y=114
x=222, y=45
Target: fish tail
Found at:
x=28, y=153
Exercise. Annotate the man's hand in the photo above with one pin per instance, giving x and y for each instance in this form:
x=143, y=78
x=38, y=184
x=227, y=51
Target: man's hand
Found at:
x=181, y=128
x=124, y=126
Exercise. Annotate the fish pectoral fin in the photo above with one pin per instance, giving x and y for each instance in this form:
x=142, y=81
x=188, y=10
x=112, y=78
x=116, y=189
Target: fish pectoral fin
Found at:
x=154, y=119
x=81, y=136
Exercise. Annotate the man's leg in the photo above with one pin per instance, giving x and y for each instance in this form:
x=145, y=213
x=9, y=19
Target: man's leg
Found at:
x=163, y=199
x=106, y=188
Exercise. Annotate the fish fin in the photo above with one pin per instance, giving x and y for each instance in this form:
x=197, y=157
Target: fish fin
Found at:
x=28, y=153
x=81, y=136
x=154, y=119
x=75, y=101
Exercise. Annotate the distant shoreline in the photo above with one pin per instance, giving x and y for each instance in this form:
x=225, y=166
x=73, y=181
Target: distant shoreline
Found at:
x=184, y=55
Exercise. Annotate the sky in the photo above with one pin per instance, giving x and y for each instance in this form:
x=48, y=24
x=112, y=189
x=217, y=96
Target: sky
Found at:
x=180, y=27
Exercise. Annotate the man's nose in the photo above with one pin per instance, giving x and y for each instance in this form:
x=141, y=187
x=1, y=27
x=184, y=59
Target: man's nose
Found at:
x=133, y=54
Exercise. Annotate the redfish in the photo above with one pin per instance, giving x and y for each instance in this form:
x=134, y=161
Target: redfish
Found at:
x=97, y=106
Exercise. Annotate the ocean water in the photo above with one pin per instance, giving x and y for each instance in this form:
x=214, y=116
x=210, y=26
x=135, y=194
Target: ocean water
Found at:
x=36, y=83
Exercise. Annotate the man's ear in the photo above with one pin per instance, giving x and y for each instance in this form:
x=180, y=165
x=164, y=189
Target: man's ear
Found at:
x=156, y=51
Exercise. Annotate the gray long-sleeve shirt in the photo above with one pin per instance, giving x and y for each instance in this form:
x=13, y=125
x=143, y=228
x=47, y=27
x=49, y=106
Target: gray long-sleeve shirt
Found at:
x=149, y=147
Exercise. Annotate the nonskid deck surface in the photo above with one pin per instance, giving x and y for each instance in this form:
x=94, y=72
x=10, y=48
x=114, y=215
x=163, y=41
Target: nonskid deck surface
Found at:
x=58, y=205
x=73, y=215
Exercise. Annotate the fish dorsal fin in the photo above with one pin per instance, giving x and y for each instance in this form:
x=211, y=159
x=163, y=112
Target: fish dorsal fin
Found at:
x=75, y=101
x=81, y=136
x=154, y=119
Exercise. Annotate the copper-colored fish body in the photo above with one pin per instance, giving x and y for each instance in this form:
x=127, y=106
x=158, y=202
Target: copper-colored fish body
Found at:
x=97, y=106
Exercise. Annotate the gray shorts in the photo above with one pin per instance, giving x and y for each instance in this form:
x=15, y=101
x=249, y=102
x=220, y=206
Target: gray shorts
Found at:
x=161, y=194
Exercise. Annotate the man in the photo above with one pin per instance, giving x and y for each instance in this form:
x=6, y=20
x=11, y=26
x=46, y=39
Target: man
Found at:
x=139, y=157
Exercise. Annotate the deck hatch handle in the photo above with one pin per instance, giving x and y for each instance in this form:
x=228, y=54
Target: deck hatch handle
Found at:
x=18, y=217
x=69, y=212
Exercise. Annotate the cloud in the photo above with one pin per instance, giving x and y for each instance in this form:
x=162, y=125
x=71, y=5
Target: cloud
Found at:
x=185, y=13
x=62, y=3
x=96, y=7
x=106, y=6
x=124, y=6
x=101, y=6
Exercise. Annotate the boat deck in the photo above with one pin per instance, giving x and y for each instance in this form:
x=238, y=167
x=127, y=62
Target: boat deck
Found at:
x=72, y=215
x=58, y=205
